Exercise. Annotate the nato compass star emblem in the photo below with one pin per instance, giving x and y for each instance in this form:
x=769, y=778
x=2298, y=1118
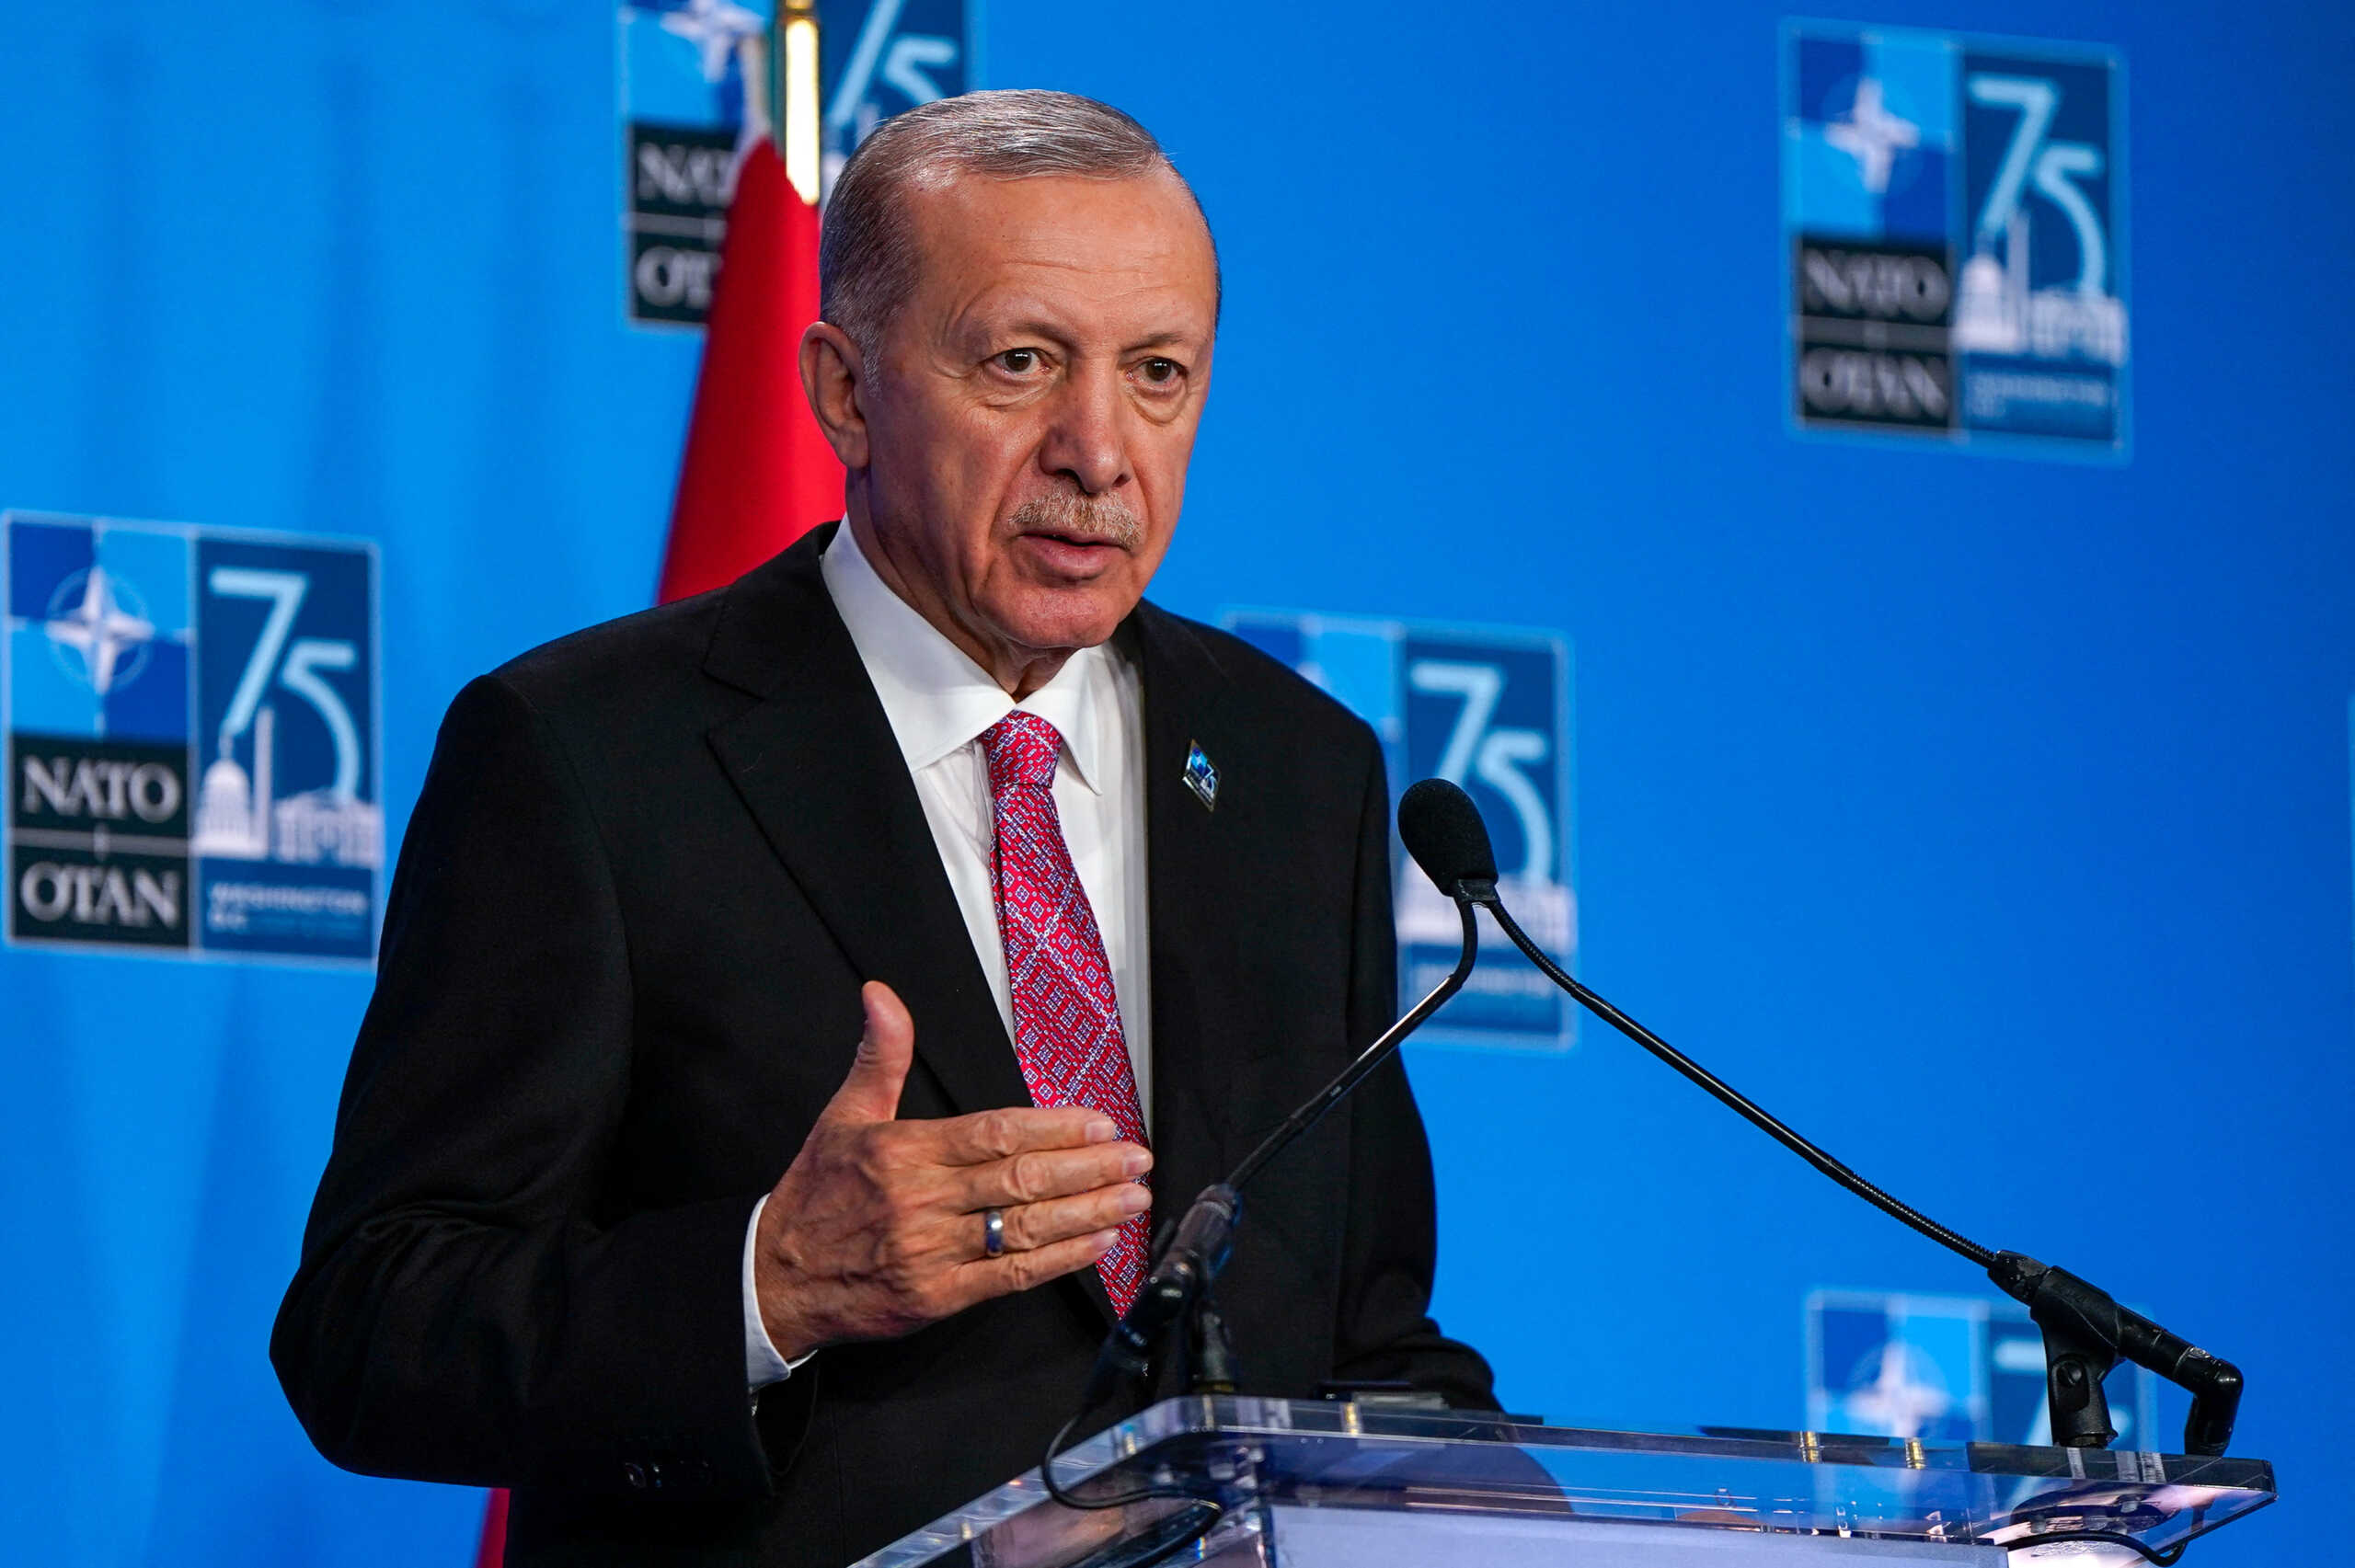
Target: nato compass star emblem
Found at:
x=1873, y=136
x=1201, y=777
x=1903, y=1394
x=714, y=26
x=101, y=619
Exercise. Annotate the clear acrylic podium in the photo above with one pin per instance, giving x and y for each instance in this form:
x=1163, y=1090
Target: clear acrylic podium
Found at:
x=1302, y=1483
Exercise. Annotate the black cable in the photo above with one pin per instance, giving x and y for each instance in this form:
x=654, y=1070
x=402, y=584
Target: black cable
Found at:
x=1055, y=1488
x=1952, y=1241
x=1212, y=1510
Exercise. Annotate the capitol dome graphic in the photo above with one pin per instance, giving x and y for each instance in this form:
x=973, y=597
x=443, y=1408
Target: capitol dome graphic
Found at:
x=237, y=817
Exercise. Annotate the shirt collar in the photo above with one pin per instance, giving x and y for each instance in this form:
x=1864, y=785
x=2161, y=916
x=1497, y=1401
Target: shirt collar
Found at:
x=938, y=699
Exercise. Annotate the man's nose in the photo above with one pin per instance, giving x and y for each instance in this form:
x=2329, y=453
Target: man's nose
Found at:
x=1084, y=437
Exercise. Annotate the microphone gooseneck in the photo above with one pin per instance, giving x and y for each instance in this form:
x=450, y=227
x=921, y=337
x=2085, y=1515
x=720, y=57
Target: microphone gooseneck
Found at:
x=1953, y=1241
x=2085, y=1332
x=1198, y=1249
x=1325, y=1099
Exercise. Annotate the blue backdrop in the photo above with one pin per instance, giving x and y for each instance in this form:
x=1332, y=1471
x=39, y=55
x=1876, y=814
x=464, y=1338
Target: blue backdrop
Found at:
x=1918, y=791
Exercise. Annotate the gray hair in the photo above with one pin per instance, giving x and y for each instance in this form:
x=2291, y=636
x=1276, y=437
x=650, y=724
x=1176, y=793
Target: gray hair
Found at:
x=867, y=256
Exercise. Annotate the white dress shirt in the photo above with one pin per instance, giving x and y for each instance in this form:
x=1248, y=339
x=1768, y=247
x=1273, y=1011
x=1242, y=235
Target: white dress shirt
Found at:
x=939, y=701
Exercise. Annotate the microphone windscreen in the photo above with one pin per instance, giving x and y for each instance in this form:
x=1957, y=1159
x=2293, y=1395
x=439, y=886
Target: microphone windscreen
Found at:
x=1443, y=831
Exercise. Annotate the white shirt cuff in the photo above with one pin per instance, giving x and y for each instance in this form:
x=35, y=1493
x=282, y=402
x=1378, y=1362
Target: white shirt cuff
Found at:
x=763, y=1364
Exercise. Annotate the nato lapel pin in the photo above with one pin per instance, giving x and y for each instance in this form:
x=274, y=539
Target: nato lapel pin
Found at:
x=1200, y=777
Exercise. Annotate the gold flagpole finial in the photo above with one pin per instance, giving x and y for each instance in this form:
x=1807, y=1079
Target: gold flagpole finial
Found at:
x=793, y=64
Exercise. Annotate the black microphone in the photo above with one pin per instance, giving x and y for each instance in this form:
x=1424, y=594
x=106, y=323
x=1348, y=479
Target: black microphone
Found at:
x=2085, y=1332
x=1191, y=1260
x=1442, y=829
x=1444, y=832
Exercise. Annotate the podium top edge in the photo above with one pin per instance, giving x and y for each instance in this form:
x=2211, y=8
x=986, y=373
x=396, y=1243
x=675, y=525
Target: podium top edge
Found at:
x=1244, y=1454
x=1245, y=1414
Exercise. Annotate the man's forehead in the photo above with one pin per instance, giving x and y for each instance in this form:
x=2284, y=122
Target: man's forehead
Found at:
x=1156, y=191
x=999, y=244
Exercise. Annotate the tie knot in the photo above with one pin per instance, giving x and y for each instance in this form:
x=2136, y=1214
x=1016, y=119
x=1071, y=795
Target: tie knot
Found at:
x=1022, y=749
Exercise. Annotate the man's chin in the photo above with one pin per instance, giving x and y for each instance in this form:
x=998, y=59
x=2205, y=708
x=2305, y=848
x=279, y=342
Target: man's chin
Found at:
x=1065, y=618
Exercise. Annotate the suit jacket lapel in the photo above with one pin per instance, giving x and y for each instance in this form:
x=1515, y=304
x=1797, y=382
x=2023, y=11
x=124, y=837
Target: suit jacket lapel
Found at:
x=816, y=763
x=855, y=838
x=1191, y=866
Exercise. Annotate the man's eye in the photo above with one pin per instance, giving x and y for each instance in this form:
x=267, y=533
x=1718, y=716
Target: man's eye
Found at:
x=1021, y=361
x=1161, y=372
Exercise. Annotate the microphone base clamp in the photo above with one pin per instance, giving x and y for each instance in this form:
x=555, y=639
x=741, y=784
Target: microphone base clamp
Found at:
x=2086, y=1333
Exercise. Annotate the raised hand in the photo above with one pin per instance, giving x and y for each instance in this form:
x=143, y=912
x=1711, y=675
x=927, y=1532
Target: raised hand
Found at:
x=877, y=1227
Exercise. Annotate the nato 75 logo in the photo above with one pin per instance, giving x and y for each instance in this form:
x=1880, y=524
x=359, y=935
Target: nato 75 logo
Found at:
x=192, y=755
x=884, y=56
x=1487, y=709
x=694, y=97
x=1954, y=211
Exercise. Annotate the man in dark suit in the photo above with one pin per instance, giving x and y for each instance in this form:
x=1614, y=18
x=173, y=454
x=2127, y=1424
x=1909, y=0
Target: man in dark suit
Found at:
x=927, y=865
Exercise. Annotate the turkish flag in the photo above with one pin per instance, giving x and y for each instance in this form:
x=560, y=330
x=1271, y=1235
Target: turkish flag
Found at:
x=758, y=475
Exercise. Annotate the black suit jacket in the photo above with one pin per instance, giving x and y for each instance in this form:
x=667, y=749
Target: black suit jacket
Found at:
x=650, y=866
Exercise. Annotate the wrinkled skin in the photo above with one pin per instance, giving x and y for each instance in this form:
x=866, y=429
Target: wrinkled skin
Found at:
x=1017, y=455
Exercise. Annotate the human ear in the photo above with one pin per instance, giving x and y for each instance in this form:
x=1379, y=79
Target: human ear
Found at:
x=833, y=373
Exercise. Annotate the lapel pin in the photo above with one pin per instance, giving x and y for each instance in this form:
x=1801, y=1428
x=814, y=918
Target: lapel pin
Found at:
x=1201, y=777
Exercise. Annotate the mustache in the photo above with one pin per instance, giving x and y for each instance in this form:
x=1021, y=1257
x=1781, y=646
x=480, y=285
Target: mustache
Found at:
x=1096, y=520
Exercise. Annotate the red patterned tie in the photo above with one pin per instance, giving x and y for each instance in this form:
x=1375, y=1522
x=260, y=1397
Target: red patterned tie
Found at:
x=1066, y=1019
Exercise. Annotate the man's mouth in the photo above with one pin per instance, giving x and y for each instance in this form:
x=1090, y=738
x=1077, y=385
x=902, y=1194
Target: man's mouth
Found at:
x=1073, y=541
x=1073, y=557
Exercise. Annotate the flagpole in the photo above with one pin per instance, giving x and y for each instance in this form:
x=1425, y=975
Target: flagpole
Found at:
x=793, y=89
